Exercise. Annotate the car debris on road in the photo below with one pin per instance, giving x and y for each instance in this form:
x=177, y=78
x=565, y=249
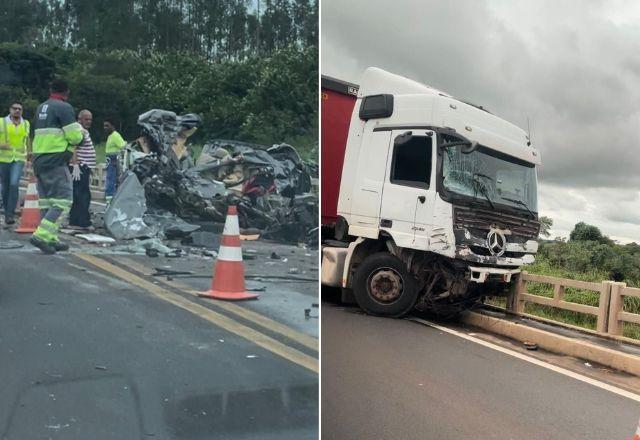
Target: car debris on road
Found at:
x=164, y=195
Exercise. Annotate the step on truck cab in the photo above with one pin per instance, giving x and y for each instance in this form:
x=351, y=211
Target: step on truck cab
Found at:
x=427, y=201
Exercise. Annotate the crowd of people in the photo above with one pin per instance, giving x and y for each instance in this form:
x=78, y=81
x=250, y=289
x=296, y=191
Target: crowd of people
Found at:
x=63, y=156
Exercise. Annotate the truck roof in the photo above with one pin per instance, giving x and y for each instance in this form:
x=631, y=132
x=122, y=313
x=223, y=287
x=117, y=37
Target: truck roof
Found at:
x=417, y=104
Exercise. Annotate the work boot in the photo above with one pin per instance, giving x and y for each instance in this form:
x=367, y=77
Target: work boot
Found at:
x=60, y=246
x=47, y=248
x=9, y=220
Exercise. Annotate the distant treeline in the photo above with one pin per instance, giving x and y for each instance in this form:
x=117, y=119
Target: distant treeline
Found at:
x=220, y=29
x=122, y=58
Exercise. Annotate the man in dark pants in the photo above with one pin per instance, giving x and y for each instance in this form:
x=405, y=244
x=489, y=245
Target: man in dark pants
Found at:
x=56, y=134
x=15, y=146
x=114, y=144
x=79, y=216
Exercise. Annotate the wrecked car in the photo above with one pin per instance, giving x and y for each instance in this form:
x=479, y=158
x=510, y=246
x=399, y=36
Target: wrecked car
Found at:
x=272, y=186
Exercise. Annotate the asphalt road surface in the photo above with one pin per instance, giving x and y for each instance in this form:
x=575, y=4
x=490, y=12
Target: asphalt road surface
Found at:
x=92, y=349
x=396, y=379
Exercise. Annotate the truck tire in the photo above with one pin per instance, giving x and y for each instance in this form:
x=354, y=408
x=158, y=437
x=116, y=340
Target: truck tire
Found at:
x=382, y=286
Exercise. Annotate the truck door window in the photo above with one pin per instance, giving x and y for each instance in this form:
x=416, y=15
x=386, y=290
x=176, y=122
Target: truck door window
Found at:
x=411, y=163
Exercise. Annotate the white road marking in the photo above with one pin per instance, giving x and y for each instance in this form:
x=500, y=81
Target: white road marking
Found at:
x=532, y=360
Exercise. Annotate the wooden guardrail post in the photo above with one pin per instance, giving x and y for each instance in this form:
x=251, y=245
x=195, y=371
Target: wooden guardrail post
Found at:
x=604, y=303
x=515, y=303
x=615, y=307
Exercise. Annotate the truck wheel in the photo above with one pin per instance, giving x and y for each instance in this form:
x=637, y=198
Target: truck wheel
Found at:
x=382, y=286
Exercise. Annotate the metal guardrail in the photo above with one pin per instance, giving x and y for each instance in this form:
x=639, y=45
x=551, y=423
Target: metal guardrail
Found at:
x=98, y=175
x=610, y=314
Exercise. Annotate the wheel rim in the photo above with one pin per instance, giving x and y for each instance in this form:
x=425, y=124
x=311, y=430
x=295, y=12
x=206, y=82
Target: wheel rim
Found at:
x=385, y=285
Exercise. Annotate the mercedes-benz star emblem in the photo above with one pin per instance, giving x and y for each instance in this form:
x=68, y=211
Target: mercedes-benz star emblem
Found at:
x=496, y=242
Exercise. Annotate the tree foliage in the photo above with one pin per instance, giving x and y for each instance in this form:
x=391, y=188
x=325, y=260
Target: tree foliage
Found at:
x=220, y=29
x=589, y=252
x=584, y=232
x=545, y=226
x=249, y=68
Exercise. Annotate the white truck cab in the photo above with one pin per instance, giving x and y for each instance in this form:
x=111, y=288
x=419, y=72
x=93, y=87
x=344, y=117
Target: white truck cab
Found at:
x=437, y=196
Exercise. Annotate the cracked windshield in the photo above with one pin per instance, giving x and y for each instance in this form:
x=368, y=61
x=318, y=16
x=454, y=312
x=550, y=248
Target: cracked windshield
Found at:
x=483, y=175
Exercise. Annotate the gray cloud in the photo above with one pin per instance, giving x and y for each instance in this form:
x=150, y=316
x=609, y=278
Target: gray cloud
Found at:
x=570, y=68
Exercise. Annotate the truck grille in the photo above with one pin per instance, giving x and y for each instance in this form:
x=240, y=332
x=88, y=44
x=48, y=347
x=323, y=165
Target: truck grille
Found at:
x=472, y=218
x=485, y=252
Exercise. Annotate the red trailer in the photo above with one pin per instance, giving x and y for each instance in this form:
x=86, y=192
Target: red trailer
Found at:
x=338, y=99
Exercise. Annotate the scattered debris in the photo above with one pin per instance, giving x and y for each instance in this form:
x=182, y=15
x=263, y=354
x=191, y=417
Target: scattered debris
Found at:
x=175, y=253
x=275, y=256
x=272, y=186
x=10, y=244
x=168, y=225
x=203, y=239
x=124, y=215
x=100, y=367
x=307, y=312
x=96, y=238
x=141, y=247
x=159, y=271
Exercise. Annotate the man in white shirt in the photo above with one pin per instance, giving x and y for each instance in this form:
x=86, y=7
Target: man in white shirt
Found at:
x=80, y=216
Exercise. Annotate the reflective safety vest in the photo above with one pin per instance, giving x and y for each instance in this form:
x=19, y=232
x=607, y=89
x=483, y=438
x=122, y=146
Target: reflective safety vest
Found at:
x=56, y=129
x=16, y=136
x=114, y=143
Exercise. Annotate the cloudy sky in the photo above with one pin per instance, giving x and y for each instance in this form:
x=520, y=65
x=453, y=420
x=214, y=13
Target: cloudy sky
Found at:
x=571, y=67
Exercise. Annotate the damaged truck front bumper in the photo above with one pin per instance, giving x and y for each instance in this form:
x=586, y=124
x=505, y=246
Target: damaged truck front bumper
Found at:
x=482, y=274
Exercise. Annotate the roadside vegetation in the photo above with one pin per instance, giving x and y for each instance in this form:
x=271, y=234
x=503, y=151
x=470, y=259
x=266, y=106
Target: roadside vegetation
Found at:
x=248, y=68
x=590, y=256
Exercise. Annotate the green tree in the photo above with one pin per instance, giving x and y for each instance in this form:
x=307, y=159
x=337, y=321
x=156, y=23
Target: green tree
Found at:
x=545, y=225
x=584, y=232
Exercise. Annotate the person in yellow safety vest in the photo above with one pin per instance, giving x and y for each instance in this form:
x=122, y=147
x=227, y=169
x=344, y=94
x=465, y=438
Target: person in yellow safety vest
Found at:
x=56, y=134
x=115, y=143
x=15, y=146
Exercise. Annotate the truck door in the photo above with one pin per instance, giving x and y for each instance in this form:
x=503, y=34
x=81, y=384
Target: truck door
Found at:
x=369, y=180
x=409, y=192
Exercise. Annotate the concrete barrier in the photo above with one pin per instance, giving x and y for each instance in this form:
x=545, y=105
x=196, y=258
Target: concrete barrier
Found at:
x=556, y=343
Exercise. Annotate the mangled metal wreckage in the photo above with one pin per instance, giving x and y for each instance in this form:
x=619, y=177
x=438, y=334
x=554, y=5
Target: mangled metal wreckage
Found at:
x=272, y=187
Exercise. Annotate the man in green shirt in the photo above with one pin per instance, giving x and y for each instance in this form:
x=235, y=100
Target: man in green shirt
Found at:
x=114, y=144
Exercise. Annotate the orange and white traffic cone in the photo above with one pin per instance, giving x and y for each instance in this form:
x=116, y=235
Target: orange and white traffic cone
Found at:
x=228, y=279
x=30, y=218
x=637, y=434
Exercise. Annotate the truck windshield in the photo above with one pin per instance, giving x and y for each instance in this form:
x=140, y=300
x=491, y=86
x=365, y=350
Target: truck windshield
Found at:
x=491, y=177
